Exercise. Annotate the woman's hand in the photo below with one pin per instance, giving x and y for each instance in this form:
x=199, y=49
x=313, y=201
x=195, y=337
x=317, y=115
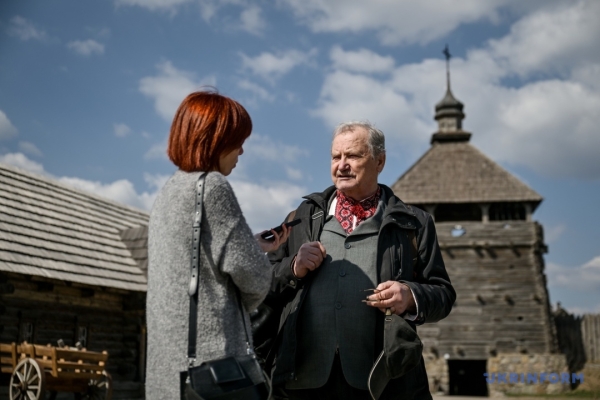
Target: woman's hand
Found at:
x=278, y=239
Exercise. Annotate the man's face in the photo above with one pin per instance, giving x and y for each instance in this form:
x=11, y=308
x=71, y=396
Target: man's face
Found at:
x=353, y=170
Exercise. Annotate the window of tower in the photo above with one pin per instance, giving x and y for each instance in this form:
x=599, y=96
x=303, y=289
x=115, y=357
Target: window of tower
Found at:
x=507, y=212
x=458, y=212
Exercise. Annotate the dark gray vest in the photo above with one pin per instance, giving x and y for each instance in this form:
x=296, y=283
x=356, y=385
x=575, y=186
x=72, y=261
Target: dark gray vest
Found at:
x=333, y=317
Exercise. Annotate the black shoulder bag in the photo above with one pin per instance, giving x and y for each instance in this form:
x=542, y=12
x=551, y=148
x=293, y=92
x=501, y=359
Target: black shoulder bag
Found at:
x=227, y=378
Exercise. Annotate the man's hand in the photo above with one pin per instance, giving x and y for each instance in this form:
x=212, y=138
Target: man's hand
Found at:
x=393, y=295
x=309, y=257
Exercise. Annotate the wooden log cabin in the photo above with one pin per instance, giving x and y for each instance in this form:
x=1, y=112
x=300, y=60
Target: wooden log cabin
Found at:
x=493, y=250
x=73, y=269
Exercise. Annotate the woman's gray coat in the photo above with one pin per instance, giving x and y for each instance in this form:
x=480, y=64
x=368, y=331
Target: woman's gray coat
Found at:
x=230, y=258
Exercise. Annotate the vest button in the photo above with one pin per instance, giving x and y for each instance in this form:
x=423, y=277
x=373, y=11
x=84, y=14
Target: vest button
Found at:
x=342, y=273
x=347, y=245
x=338, y=305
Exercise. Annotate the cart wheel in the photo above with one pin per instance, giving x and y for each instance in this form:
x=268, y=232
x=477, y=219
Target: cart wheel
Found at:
x=27, y=381
x=99, y=389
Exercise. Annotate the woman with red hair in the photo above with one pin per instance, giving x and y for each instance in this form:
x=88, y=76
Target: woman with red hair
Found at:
x=207, y=135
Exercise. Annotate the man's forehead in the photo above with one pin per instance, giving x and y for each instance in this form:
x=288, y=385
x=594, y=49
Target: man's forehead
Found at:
x=350, y=139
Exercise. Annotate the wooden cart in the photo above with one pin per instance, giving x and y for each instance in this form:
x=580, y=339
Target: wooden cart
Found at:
x=37, y=369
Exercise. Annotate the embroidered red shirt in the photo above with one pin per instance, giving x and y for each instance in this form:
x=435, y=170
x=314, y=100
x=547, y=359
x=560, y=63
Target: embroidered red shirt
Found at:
x=347, y=208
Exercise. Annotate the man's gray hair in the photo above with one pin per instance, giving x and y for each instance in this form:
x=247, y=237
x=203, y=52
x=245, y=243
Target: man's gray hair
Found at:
x=376, y=139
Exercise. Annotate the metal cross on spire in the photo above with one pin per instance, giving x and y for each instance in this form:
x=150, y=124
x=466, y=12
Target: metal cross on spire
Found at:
x=448, y=55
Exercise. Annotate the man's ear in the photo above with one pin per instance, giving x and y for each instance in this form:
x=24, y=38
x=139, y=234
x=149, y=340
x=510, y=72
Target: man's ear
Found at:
x=380, y=162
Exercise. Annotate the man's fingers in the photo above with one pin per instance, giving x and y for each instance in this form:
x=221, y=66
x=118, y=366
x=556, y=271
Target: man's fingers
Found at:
x=386, y=303
x=385, y=285
x=322, y=248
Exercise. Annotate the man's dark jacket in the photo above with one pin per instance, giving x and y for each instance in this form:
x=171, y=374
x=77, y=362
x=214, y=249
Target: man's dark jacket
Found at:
x=428, y=280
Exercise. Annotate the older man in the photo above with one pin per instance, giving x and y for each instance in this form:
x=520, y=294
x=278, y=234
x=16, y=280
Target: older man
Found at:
x=358, y=251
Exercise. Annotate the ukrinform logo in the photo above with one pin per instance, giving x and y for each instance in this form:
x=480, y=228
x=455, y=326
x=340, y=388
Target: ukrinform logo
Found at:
x=533, y=378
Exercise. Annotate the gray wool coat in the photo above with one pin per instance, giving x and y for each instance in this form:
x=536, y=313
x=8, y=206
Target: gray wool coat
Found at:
x=230, y=258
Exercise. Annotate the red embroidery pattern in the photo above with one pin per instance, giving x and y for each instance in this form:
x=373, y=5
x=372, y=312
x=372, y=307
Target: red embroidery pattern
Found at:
x=347, y=208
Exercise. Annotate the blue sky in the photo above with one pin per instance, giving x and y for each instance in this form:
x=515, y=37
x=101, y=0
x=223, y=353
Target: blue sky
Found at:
x=88, y=90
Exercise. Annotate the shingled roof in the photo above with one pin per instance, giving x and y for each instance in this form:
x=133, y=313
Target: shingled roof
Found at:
x=457, y=172
x=51, y=230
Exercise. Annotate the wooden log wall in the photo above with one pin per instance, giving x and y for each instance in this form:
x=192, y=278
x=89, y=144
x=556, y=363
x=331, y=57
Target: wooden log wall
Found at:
x=570, y=339
x=112, y=318
x=590, y=330
x=502, y=302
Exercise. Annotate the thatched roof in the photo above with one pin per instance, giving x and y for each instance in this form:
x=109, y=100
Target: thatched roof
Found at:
x=51, y=230
x=457, y=172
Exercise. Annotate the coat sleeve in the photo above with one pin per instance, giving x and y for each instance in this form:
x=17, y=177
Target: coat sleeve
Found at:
x=284, y=284
x=239, y=255
x=432, y=288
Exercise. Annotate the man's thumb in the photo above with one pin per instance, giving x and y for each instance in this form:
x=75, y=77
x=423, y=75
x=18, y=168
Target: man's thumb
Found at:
x=323, y=251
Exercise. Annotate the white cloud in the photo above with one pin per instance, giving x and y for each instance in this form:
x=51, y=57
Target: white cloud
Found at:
x=19, y=160
x=585, y=278
x=265, y=206
x=153, y=5
x=394, y=21
x=262, y=148
x=170, y=87
x=554, y=233
x=346, y=96
x=156, y=181
x=157, y=151
x=25, y=29
x=30, y=148
x=551, y=40
x=121, y=130
x=258, y=90
x=86, y=47
x=363, y=60
x=252, y=20
x=294, y=173
x=272, y=66
x=121, y=191
x=548, y=125
x=7, y=129
x=588, y=75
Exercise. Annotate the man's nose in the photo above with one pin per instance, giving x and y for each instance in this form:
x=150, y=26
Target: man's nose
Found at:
x=343, y=165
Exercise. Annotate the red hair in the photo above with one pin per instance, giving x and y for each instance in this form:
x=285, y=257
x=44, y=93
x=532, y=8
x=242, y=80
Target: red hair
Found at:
x=206, y=125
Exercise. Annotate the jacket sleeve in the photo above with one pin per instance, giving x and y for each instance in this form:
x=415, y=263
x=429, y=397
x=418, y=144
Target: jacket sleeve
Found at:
x=285, y=285
x=432, y=288
x=240, y=256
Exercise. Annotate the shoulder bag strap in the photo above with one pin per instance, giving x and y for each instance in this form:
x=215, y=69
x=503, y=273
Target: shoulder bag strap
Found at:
x=195, y=278
x=194, y=273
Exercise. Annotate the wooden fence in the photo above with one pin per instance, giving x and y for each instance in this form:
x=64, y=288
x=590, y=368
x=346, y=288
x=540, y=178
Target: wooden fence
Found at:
x=590, y=333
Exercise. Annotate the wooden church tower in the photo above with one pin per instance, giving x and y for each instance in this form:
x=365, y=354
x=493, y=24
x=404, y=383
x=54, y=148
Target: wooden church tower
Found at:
x=493, y=253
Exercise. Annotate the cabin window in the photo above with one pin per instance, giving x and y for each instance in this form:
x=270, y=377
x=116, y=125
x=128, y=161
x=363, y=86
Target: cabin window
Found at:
x=26, y=331
x=82, y=335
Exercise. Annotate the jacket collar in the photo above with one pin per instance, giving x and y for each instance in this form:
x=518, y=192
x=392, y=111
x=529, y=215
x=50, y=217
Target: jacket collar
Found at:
x=394, y=204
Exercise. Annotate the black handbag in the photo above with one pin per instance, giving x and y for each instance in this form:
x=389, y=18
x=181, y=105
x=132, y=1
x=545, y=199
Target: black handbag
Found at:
x=229, y=378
